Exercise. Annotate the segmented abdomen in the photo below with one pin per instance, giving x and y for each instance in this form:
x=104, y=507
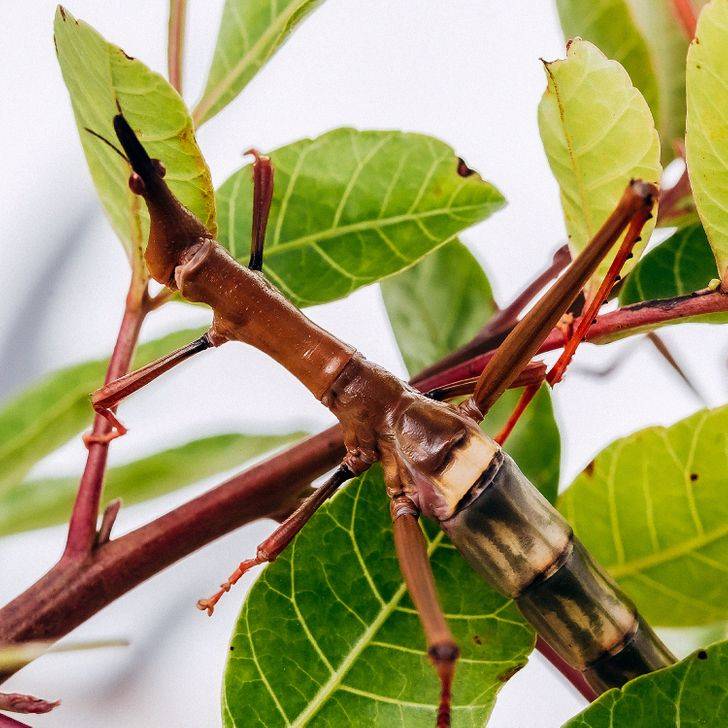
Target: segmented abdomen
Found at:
x=523, y=547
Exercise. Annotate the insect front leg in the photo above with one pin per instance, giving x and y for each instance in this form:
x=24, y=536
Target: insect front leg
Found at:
x=105, y=399
x=276, y=543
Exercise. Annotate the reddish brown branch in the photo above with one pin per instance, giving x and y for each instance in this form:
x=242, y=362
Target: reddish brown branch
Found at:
x=686, y=15
x=570, y=673
x=82, y=526
x=176, y=42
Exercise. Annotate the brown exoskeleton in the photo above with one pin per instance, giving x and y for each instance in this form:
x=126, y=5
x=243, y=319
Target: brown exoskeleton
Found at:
x=436, y=460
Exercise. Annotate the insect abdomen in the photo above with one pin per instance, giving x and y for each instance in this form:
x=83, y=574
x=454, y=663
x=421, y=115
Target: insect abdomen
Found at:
x=523, y=547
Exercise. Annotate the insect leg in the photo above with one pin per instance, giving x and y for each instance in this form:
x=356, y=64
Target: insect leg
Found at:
x=105, y=399
x=577, y=336
x=262, y=195
x=415, y=565
x=282, y=536
x=526, y=338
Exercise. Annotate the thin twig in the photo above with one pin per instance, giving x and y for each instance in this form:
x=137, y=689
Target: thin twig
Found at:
x=82, y=526
x=176, y=42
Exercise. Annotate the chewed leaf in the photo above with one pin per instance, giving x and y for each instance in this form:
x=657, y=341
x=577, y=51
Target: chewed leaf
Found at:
x=692, y=693
x=652, y=509
x=707, y=127
x=251, y=31
x=99, y=75
x=645, y=37
x=440, y=304
x=329, y=637
x=680, y=265
x=351, y=207
x=598, y=134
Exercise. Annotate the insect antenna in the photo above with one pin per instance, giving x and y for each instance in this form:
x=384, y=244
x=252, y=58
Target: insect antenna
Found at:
x=108, y=143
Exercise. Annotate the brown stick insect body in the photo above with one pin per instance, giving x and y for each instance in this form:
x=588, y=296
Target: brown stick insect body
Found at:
x=436, y=459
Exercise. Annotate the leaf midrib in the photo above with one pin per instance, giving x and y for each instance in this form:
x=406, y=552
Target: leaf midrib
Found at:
x=326, y=690
x=364, y=225
x=684, y=548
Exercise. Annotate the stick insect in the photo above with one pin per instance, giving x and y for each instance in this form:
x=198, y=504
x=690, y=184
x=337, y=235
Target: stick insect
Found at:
x=436, y=460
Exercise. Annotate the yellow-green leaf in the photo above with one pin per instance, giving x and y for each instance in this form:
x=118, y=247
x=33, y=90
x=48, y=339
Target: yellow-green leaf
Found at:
x=707, y=127
x=99, y=75
x=251, y=31
x=646, y=38
x=652, y=509
x=598, y=134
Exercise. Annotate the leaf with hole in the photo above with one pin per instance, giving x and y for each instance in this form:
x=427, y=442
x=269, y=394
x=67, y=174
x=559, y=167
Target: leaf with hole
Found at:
x=680, y=265
x=99, y=75
x=56, y=408
x=691, y=694
x=598, y=134
x=48, y=501
x=251, y=31
x=328, y=635
x=652, y=510
x=645, y=37
x=351, y=207
x=440, y=304
x=707, y=127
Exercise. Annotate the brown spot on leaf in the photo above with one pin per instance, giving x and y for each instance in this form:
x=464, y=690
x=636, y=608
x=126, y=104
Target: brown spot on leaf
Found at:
x=508, y=674
x=477, y=640
x=702, y=655
x=62, y=11
x=693, y=477
x=463, y=169
x=589, y=469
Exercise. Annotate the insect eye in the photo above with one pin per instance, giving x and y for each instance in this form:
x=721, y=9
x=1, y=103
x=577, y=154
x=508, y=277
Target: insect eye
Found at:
x=159, y=168
x=136, y=184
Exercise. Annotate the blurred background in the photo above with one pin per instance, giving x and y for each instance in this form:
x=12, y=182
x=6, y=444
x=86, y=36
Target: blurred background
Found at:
x=467, y=72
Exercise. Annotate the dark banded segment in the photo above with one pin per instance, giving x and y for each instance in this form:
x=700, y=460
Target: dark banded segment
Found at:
x=524, y=548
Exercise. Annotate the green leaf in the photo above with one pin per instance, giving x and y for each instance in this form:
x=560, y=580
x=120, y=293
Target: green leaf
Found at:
x=707, y=127
x=46, y=502
x=251, y=31
x=53, y=410
x=598, y=134
x=351, y=207
x=690, y=694
x=644, y=36
x=652, y=510
x=681, y=264
x=440, y=304
x=98, y=76
x=329, y=635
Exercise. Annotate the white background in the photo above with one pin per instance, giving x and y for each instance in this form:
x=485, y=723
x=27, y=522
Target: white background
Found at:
x=465, y=71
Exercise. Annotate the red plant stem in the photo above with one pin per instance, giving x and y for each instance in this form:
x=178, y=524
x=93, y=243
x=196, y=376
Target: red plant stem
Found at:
x=74, y=590
x=570, y=673
x=501, y=323
x=7, y=722
x=685, y=12
x=82, y=526
x=176, y=42
x=623, y=322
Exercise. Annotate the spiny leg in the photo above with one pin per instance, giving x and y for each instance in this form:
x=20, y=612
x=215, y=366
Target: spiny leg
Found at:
x=557, y=371
x=528, y=335
x=263, y=172
x=272, y=547
x=415, y=565
x=105, y=399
